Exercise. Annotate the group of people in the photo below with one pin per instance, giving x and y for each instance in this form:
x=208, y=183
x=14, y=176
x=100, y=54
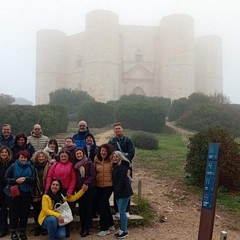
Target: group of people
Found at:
x=79, y=171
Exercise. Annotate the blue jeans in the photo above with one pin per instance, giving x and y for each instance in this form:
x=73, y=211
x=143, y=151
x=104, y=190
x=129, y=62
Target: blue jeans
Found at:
x=122, y=205
x=55, y=232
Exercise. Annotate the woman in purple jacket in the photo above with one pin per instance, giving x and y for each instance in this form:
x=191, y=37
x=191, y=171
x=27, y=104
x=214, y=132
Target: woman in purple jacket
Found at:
x=86, y=177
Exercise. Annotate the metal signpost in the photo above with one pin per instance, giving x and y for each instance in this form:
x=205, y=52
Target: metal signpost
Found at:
x=209, y=193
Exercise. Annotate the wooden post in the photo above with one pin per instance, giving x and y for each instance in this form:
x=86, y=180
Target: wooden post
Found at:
x=223, y=235
x=209, y=193
x=139, y=189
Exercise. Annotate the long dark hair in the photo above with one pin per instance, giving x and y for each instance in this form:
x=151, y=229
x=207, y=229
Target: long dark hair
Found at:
x=57, y=198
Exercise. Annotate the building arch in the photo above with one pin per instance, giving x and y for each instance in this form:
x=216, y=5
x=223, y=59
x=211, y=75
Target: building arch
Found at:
x=138, y=91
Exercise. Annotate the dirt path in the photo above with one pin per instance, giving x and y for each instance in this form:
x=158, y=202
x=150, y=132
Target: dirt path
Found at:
x=171, y=202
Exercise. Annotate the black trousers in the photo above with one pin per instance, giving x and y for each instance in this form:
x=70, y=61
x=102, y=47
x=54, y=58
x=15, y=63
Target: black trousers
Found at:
x=3, y=213
x=106, y=219
x=86, y=208
x=37, y=206
x=19, y=209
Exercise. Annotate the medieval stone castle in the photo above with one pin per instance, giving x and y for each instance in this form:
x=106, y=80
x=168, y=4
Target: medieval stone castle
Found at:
x=109, y=60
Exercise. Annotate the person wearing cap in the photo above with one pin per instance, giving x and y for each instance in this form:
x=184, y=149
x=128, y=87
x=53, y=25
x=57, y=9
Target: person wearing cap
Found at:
x=79, y=137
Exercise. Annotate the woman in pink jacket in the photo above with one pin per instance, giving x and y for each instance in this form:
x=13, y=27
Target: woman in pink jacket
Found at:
x=63, y=170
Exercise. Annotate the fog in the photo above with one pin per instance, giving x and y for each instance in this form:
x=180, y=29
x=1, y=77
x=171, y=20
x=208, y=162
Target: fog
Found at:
x=21, y=19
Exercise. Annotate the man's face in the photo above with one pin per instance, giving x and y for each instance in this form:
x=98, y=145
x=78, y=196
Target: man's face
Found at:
x=37, y=129
x=118, y=131
x=82, y=127
x=6, y=131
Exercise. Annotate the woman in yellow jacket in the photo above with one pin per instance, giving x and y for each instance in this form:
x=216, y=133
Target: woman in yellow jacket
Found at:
x=48, y=217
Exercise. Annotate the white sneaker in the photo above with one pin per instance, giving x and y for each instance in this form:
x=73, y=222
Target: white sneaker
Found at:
x=117, y=215
x=111, y=228
x=103, y=233
x=127, y=214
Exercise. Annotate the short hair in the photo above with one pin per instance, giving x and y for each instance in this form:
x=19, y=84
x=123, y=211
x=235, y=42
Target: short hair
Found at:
x=6, y=125
x=25, y=153
x=83, y=122
x=117, y=124
x=19, y=135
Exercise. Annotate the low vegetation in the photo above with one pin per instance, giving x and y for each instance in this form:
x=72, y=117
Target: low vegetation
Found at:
x=169, y=161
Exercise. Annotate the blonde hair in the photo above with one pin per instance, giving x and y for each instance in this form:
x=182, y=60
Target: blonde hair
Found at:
x=37, y=153
x=121, y=156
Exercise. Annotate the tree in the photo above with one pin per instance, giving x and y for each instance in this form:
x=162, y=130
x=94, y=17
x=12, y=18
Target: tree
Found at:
x=70, y=99
x=6, y=99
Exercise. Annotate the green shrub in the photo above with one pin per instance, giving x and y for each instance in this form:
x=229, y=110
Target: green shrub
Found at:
x=229, y=157
x=145, y=140
x=144, y=117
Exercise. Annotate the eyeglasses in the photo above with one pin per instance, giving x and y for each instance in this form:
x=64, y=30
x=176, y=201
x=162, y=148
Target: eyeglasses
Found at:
x=81, y=125
x=37, y=128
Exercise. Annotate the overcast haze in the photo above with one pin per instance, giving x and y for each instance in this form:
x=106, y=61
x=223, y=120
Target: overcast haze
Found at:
x=21, y=19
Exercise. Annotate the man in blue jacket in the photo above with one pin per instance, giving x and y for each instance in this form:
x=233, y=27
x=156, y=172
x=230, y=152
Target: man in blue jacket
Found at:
x=79, y=138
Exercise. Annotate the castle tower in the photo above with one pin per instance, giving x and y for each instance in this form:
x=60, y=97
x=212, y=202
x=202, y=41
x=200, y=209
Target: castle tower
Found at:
x=208, y=65
x=175, y=51
x=102, y=55
x=50, y=63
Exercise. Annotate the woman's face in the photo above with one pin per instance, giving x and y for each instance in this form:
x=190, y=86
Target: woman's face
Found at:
x=41, y=158
x=115, y=158
x=4, y=154
x=20, y=141
x=63, y=157
x=52, y=146
x=79, y=155
x=69, y=142
x=55, y=186
x=22, y=158
x=103, y=153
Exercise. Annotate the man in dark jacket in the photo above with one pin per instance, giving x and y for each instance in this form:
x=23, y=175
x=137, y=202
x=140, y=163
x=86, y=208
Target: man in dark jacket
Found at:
x=6, y=139
x=125, y=145
x=79, y=138
x=122, y=143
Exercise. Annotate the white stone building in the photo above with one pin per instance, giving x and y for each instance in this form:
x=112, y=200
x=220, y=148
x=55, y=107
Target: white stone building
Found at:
x=109, y=60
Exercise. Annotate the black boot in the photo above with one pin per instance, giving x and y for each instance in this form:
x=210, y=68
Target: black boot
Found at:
x=22, y=235
x=84, y=233
x=14, y=236
x=37, y=230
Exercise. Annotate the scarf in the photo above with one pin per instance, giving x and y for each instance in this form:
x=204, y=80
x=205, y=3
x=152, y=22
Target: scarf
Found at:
x=80, y=165
x=56, y=198
x=23, y=170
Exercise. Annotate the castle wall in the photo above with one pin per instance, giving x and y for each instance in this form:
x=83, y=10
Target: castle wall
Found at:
x=75, y=61
x=102, y=55
x=138, y=49
x=208, y=65
x=176, y=57
x=109, y=60
x=50, y=63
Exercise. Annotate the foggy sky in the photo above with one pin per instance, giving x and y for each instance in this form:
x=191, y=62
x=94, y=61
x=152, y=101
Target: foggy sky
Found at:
x=21, y=19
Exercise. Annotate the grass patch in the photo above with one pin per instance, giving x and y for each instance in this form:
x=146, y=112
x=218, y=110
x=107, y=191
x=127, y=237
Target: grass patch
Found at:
x=168, y=160
x=143, y=209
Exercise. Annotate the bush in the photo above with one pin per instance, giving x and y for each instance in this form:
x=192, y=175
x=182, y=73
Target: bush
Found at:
x=145, y=140
x=143, y=117
x=229, y=157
